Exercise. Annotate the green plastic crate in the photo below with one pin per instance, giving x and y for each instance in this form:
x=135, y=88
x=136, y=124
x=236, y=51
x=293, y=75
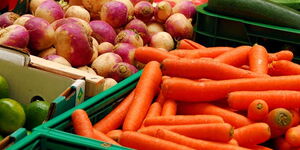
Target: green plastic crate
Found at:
x=213, y=29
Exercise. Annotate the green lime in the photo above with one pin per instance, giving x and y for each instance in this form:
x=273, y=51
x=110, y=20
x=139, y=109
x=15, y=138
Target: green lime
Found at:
x=36, y=113
x=3, y=87
x=12, y=115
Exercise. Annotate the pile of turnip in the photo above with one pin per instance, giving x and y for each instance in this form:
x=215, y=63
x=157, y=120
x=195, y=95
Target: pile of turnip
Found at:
x=97, y=36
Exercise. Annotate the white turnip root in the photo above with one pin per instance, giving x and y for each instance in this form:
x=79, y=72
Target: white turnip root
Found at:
x=144, y=11
x=126, y=51
x=130, y=7
x=88, y=70
x=58, y=59
x=74, y=44
x=131, y=37
x=50, y=11
x=108, y=83
x=163, y=11
x=114, y=13
x=102, y=31
x=14, y=36
x=8, y=19
x=105, y=47
x=186, y=7
x=80, y=22
x=104, y=63
x=34, y=4
x=162, y=40
x=154, y=27
x=122, y=70
x=95, y=49
x=41, y=33
x=22, y=20
x=78, y=12
x=179, y=27
x=94, y=6
x=49, y=51
x=141, y=28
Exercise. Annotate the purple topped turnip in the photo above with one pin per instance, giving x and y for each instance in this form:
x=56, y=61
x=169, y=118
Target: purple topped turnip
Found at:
x=49, y=51
x=50, y=11
x=163, y=11
x=144, y=11
x=14, y=36
x=131, y=37
x=102, y=31
x=80, y=22
x=126, y=51
x=134, y=2
x=94, y=7
x=105, y=47
x=8, y=19
x=104, y=63
x=140, y=27
x=41, y=33
x=154, y=27
x=130, y=7
x=162, y=40
x=74, y=44
x=122, y=70
x=108, y=83
x=78, y=12
x=87, y=70
x=95, y=49
x=58, y=59
x=34, y=4
x=22, y=20
x=187, y=8
x=114, y=13
x=179, y=27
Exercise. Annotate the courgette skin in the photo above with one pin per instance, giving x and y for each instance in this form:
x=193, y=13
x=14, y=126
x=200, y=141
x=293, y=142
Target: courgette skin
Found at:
x=263, y=11
x=295, y=4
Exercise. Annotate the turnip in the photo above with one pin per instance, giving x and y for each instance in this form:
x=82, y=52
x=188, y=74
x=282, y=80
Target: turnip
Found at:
x=139, y=65
x=22, y=20
x=130, y=7
x=74, y=44
x=179, y=27
x=8, y=19
x=108, y=83
x=105, y=47
x=140, y=27
x=114, y=13
x=80, y=22
x=162, y=40
x=126, y=51
x=154, y=27
x=102, y=31
x=41, y=33
x=14, y=36
x=104, y=63
x=78, y=12
x=144, y=11
x=88, y=70
x=50, y=11
x=94, y=6
x=134, y=2
x=95, y=49
x=163, y=11
x=75, y=2
x=49, y=51
x=122, y=70
x=131, y=37
x=186, y=7
x=57, y=59
x=35, y=3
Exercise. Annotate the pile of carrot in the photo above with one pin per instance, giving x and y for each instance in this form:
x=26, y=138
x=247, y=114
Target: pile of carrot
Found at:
x=216, y=98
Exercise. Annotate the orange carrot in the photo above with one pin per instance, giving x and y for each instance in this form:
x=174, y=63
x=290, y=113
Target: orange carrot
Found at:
x=292, y=136
x=259, y=147
x=169, y=108
x=165, y=77
x=282, y=144
x=160, y=98
x=188, y=44
x=233, y=142
x=296, y=117
x=147, y=54
x=245, y=67
x=145, y=91
x=258, y=110
x=279, y=118
x=283, y=67
x=236, y=57
x=114, y=134
x=145, y=142
x=188, y=90
x=182, y=120
x=221, y=132
x=211, y=52
x=103, y=137
x=252, y=134
x=258, y=59
x=82, y=124
x=190, y=68
x=230, y=117
x=154, y=110
x=240, y=100
x=281, y=55
x=116, y=117
x=194, y=143
x=203, y=80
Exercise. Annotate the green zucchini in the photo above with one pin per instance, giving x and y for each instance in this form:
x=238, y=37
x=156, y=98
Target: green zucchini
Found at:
x=295, y=4
x=263, y=11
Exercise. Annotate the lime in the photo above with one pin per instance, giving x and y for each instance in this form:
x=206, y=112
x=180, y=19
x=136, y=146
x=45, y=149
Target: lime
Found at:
x=3, y=87
x=36, y=113
x=12, y=115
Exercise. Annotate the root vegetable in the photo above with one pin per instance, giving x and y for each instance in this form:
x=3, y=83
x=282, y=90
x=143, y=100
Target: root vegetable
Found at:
x=104, y=63
x=187, y=8
x=50, y=11
x=162, y=11
x=75, y=2
x=95, y=49
x=162, y=40
x=131, y=37
x=102, y=31
x=15, y=36
x=179, y=27
x=130, y=7
x=94, y=6
x=35, y=3
x=114, y=13
x=144, y=11
x=80, y=22
x=88, y=70
x=140, y=27
x=122, y=70
x=49, y=51
x=78, y=12
x=108, y=83
x=58, y=59
x=8, y=19
x=154, y=27
x=105, y=47
x=126, y=51
x=22, y=20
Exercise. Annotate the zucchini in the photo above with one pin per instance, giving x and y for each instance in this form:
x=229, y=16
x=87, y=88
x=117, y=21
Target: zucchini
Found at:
x=295, y=4
x=263, y=11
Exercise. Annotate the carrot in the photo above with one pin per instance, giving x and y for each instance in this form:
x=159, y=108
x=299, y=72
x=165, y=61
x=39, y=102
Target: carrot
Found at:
x=114, y=134
x=259, y=147
x=103, y=137
x=145, y=91
x=258, y=59
x=82, y=124
x=169, y=108
x=194, y=143
x=116, y=117
x=245, y=67
x=296, y=117
x=145, y=142
x=221, y=132
x=233, y=142
x=230, y=117
x=154, y=110
x=182, y=120
x=279, y=118
x=283, y=67
x=281, y=55
x=188, y=90
x=252, y=134
x=165, y=77
x=236, y=57
x=190, y=68
x=282, y=144
x=258, y=110
x=292, y=136
x=188, y=44
x=160, y=98
x=240, y=100
x=203, y=80
x=147, y=54
x=211, y=52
